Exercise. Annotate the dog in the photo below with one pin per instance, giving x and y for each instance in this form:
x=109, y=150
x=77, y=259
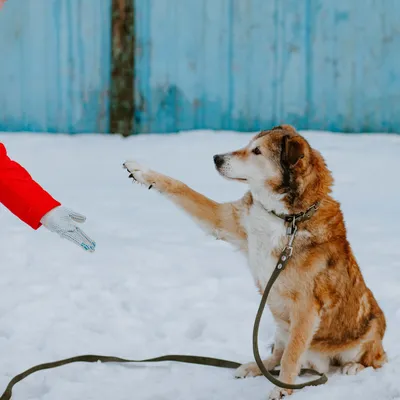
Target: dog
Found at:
x=324, y=312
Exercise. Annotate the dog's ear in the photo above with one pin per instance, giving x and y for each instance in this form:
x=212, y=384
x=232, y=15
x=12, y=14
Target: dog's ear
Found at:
x=289, y=128
x=294, y=149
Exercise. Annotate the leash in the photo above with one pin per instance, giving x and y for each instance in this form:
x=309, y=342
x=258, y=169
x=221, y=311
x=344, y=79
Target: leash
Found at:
x=283, y=260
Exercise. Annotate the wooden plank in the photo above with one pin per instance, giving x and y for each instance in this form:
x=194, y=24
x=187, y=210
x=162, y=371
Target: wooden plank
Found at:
x=263, y=65
x=216, y=73
x=241, y=64
x=164, y=62
x=332, y=65
x=388, y=67
x=122, y=61
x=292, y=63
x=143, y=67
x=187, y=75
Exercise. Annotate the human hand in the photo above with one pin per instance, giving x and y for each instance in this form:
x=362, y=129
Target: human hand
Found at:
x=62, y=220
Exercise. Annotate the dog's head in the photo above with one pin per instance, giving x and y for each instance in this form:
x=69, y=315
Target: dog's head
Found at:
x=281, y=169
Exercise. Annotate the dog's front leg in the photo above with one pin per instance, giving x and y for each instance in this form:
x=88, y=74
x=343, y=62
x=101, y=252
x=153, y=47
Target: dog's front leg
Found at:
x=221, y=220
x=303, y=325
x=252, y=369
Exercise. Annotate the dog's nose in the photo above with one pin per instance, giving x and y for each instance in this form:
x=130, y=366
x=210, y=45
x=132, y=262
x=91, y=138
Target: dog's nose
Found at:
x=218, y=160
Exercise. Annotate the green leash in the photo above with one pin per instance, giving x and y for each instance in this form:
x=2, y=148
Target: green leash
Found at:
x=199, y=360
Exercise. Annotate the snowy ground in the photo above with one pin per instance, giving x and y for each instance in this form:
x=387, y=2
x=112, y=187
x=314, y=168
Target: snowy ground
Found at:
x=156, y=284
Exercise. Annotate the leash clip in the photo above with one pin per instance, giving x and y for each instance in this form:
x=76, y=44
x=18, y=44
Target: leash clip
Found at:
x=291, y=232
x=288, y=252
x=291, y=228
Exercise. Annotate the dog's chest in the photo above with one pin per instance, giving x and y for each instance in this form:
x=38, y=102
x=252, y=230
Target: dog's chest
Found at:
x=266, y=235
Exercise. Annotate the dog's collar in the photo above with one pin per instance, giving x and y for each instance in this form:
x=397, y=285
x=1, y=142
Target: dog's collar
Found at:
x=299, y=217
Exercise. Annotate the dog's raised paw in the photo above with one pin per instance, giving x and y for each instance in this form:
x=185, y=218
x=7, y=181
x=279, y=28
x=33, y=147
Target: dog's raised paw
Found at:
x=247, y=370
x=137, y=172
x=133, y=166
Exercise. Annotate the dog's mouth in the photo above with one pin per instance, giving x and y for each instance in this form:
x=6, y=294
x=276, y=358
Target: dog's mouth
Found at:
x=235, y=179
x=230, y=178
x=221, y=167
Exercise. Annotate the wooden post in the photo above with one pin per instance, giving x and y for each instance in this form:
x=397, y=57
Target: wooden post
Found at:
x=122, y=63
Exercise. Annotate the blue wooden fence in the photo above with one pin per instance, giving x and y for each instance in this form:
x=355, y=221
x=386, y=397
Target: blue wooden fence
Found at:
x=220, y=64
x=251, y=64
x=55, y=65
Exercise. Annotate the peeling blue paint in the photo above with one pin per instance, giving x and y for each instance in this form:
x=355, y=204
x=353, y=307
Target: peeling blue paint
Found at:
x=251, y=64
x=55, y=65
x=214, y=64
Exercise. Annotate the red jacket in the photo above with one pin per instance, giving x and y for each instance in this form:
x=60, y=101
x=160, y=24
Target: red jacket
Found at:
x=21, y=194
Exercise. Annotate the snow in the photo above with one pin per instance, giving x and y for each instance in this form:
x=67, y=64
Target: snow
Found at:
x=156, y=284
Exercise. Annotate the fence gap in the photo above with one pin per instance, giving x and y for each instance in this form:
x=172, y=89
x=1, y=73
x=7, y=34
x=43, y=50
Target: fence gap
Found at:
x=122, y=67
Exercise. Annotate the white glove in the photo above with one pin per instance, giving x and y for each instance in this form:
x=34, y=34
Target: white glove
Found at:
x=62, y=221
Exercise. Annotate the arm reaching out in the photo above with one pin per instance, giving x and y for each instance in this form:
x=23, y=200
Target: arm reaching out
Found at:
x=26, y=199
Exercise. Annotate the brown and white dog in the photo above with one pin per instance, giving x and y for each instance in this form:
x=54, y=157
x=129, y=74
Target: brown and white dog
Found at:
x=325, y=313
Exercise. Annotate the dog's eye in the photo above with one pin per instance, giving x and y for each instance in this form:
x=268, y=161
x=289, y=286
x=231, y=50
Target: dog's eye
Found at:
x=256, y=151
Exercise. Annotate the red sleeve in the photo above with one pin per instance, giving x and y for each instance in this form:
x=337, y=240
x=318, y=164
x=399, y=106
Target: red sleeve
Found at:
x=21, y=194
